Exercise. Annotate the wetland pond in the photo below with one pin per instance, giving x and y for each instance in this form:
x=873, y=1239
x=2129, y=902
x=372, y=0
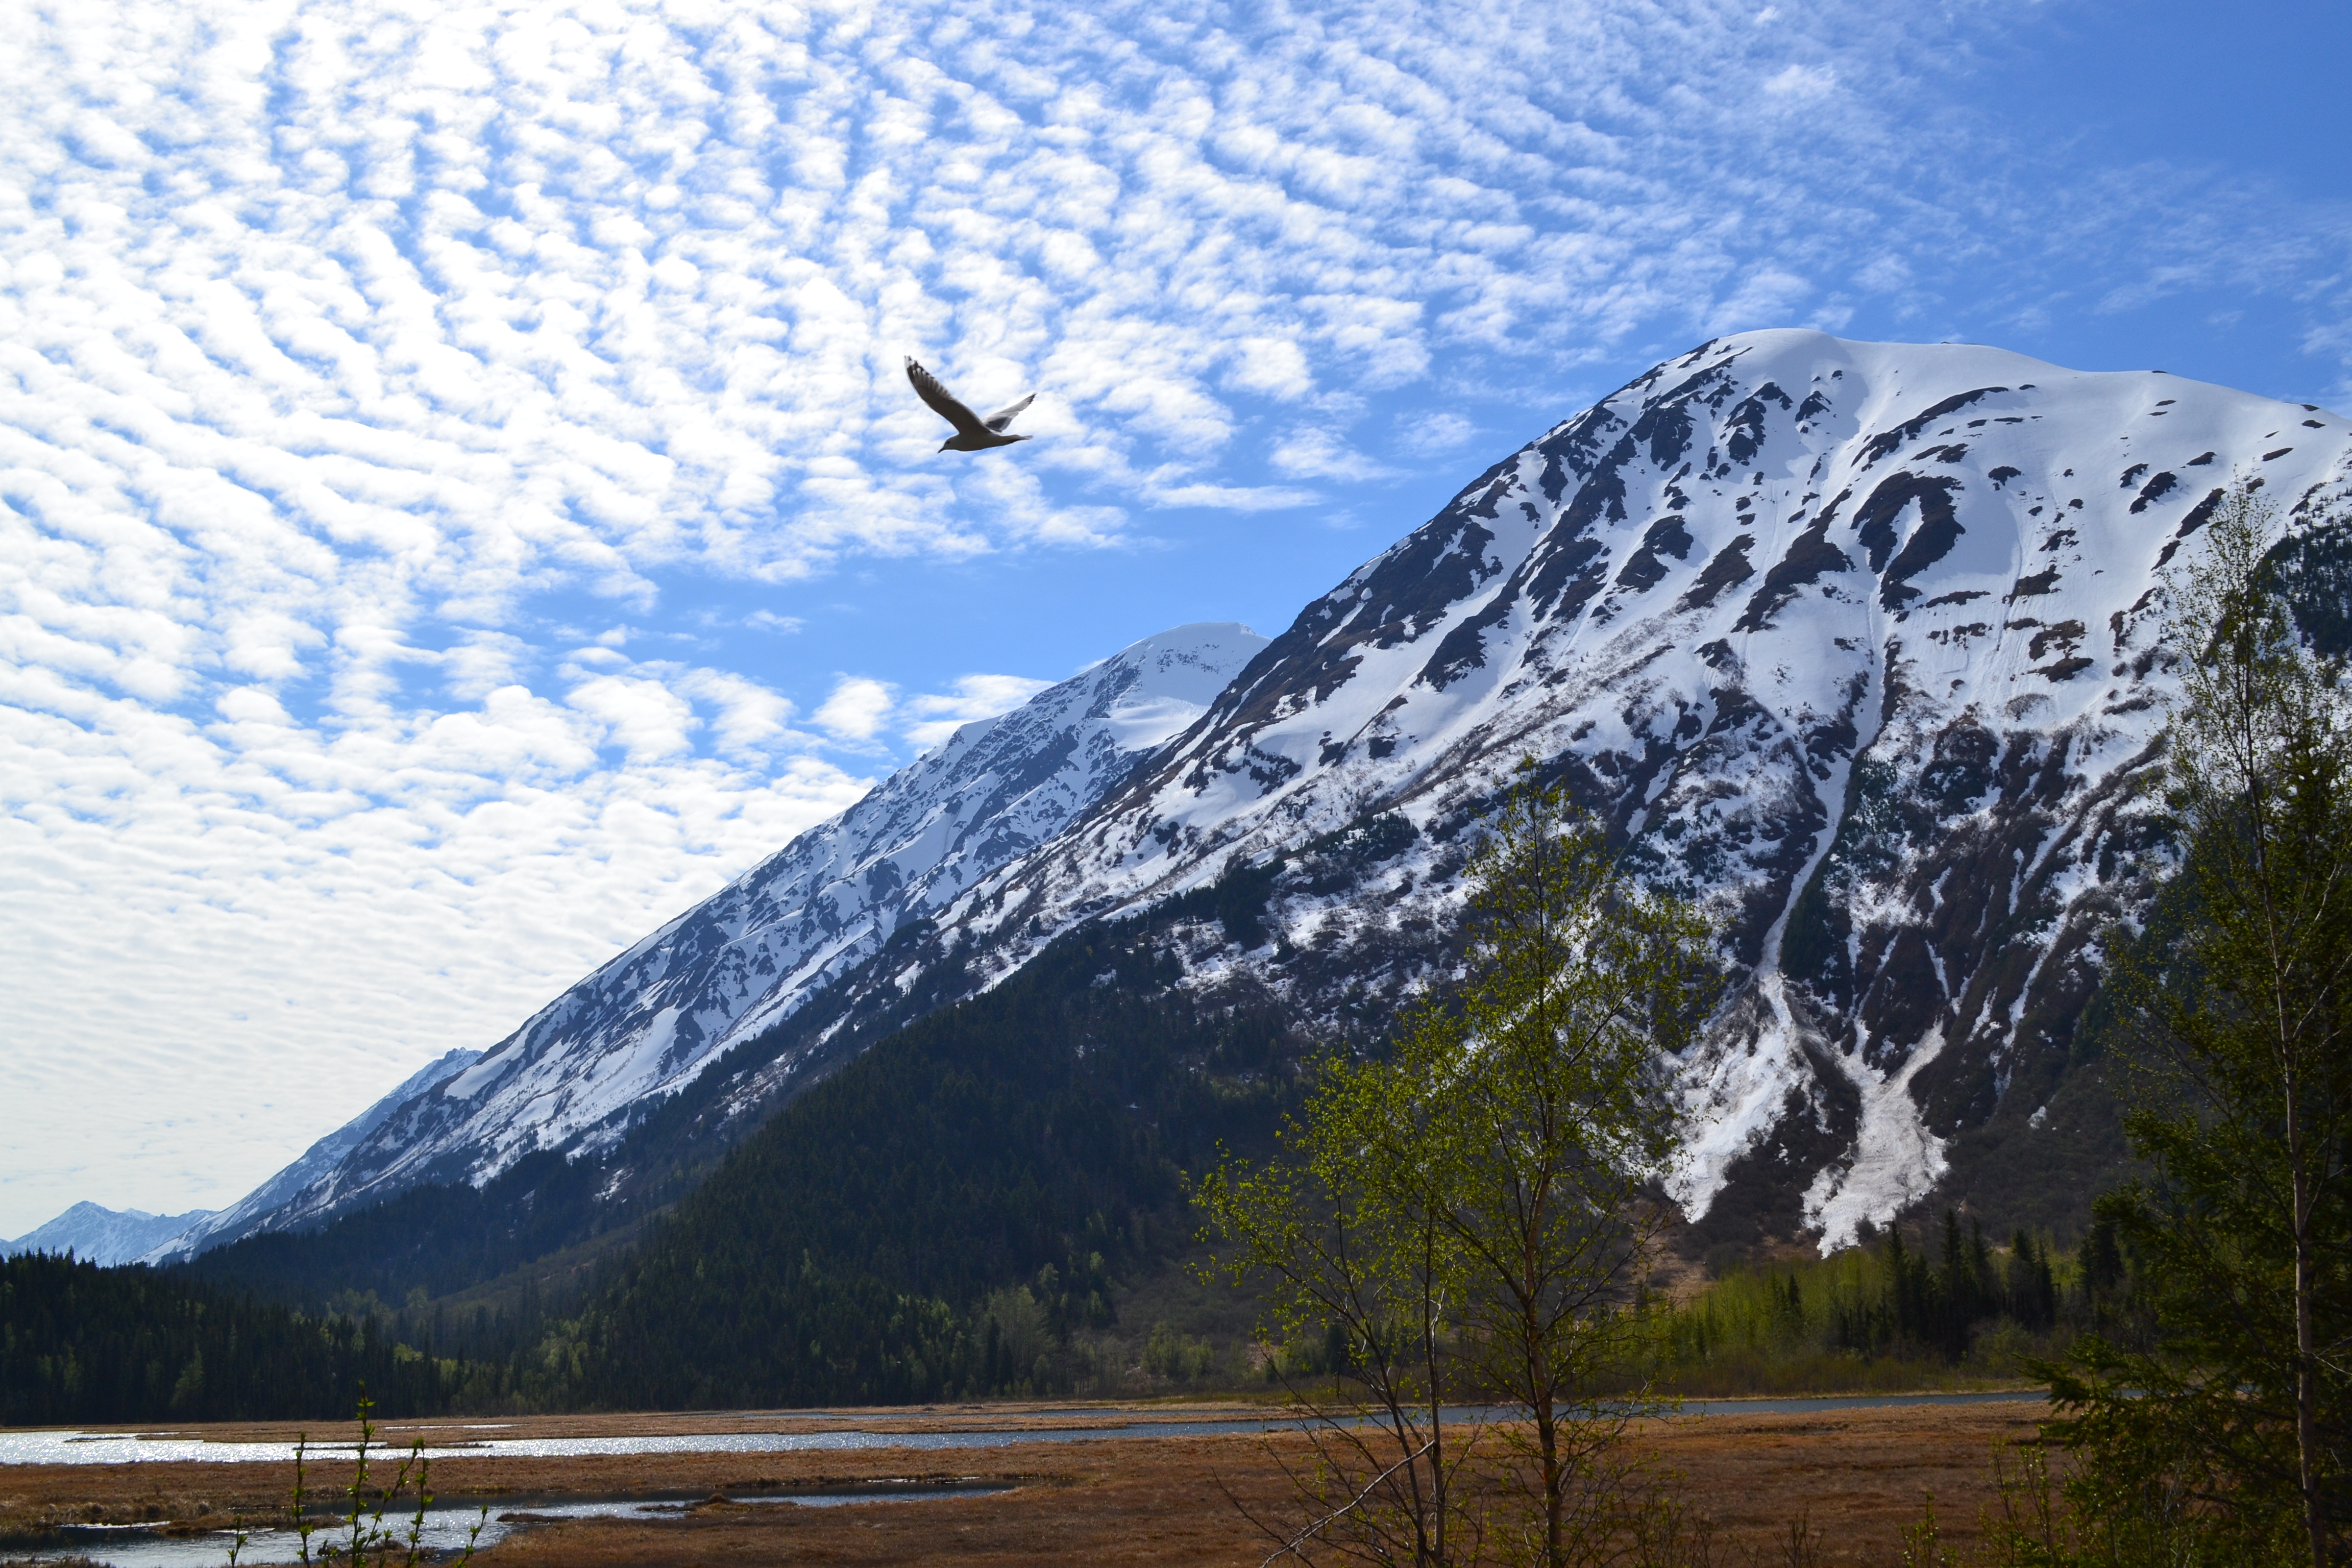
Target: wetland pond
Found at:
x=447, y=1522
x=72, y=1447
x=447, y=1526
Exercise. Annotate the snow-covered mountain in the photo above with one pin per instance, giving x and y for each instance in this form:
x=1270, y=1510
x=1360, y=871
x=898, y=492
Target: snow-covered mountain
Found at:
x=103, y=1236
x=1856, y=642
x=650, y=1020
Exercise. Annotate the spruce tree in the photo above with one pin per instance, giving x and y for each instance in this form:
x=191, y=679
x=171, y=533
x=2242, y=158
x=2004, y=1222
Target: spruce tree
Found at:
x=2228, y=1432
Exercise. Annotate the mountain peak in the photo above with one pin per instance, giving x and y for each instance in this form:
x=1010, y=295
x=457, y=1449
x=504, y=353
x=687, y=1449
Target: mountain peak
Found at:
x=103, y=1236
x=1854, y=643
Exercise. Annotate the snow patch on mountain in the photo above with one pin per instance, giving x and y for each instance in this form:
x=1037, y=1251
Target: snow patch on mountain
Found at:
x=1896, y=1159
x=1853, y=644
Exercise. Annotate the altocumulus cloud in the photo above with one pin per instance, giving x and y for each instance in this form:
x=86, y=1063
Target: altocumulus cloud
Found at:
x=337, y=339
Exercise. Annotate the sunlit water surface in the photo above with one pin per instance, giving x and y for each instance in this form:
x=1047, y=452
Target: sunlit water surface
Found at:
x=445, y=1528
x=69, y=1447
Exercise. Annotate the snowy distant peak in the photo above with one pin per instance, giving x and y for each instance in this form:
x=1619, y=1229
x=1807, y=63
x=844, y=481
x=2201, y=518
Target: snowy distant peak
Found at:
x=103, y=1236
x=649, y=1020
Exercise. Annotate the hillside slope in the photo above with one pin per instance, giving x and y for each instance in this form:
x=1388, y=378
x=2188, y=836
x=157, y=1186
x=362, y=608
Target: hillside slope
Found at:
x=580, y=1072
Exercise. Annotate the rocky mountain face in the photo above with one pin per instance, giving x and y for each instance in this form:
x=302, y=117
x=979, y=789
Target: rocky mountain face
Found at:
x=652, y=1020
x=1854, y=644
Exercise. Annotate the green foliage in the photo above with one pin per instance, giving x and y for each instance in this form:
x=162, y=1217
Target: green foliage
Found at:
x=366, y=1538
x=1177, y=1357
x=2226, y=1411
x=1469, y=1214
x=439, y=1239
x=1888, y=1316
x=523, y=1246
x=1357, y=1281
x=2039, y=1520
x=1547, y=1129
x=941, y=1217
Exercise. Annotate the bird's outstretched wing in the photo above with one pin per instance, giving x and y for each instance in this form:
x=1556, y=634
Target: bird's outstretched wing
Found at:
x=1003, y=417
x=944, y=402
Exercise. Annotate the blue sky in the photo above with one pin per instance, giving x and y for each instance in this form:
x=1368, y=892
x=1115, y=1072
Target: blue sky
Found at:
x=459, y=502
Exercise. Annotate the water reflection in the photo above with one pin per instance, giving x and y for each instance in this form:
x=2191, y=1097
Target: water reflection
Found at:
x=446, y=1527
x=121, y=1448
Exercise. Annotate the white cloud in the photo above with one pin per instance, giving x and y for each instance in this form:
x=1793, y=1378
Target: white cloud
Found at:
x=1767, y=298
x=1801, y=83
x=234, y=932
x=938, y=715
x=1275, y=366
x=769, y=621
x=1434, y=434
x=1321, y=454
x=1234, y=497
x=857, y=707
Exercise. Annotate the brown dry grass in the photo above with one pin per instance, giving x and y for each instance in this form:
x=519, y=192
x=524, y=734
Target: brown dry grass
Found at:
x=1859, y=1475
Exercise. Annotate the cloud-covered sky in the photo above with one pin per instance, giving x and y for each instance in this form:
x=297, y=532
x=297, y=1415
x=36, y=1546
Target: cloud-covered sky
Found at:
x=459, y=500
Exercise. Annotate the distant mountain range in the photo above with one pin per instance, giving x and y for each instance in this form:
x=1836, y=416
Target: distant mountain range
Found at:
x=1854, y=644
x=105, y=1235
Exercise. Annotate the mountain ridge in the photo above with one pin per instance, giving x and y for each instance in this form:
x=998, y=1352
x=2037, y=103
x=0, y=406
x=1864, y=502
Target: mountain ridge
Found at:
x=653, y=1019
x=1890, y=633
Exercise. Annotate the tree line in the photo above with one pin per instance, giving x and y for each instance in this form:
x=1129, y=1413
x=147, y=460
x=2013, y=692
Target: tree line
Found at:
x=84, y=1344
x=941, y=1218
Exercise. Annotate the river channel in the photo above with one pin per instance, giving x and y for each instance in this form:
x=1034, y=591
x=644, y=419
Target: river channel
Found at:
x=72, y=1447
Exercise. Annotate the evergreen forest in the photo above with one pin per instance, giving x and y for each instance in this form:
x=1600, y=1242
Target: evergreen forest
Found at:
x=958, y=1212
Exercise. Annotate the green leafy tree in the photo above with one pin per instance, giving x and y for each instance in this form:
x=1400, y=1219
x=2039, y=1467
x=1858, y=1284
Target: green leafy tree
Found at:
x=2227, y=1431
x=1359, y=1270
x=1546, y=1088
x=1473, y=1211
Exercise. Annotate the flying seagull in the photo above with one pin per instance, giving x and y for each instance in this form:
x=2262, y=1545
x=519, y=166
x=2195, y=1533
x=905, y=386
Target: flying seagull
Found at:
x=973, y=433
